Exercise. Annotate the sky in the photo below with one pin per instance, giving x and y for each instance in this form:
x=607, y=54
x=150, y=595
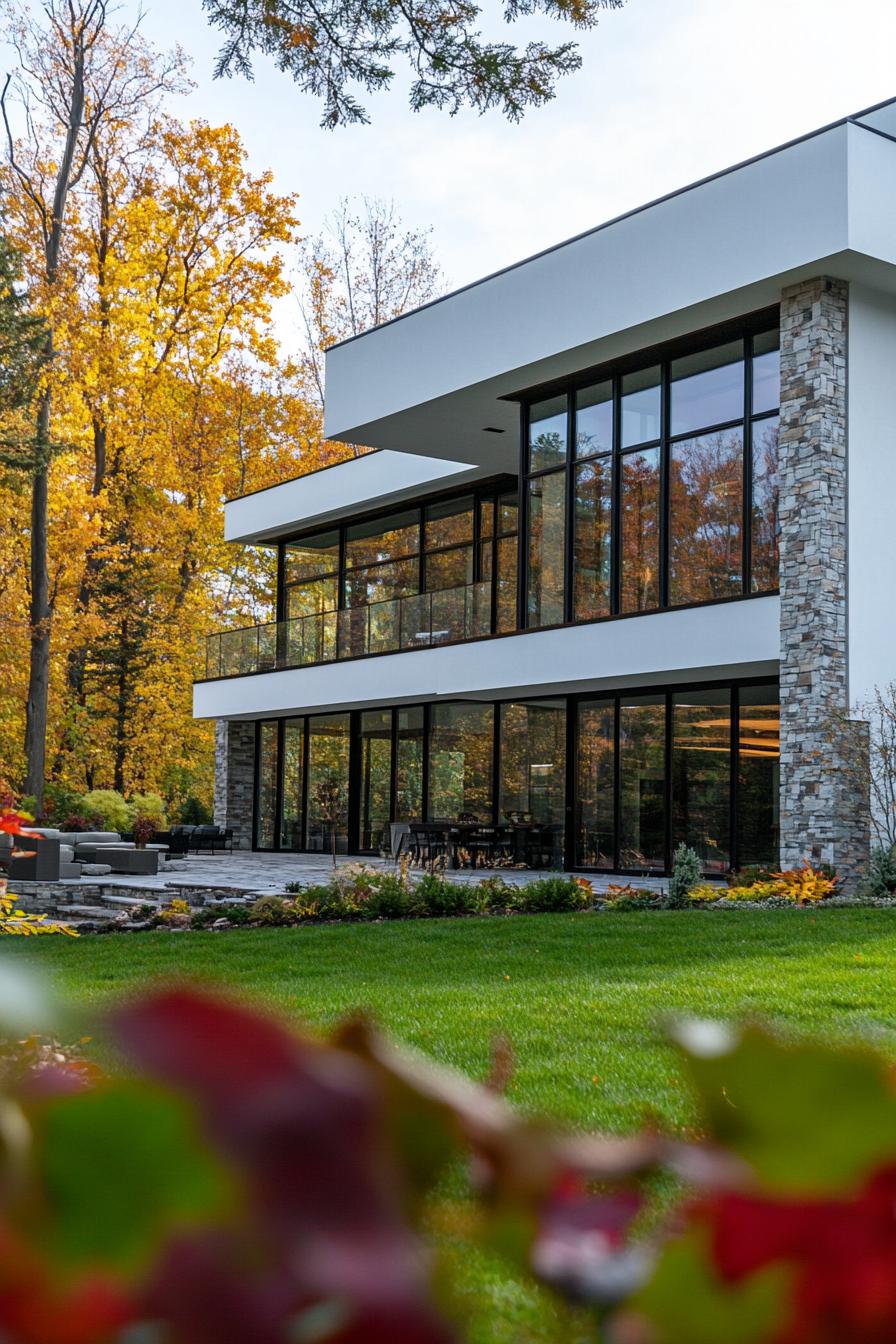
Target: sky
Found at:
x=669, y=91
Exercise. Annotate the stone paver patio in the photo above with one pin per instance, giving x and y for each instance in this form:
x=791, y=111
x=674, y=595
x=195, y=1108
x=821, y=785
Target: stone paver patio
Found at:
x=265, y=874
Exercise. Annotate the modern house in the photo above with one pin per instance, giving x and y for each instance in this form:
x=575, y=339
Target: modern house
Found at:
x=618, y=571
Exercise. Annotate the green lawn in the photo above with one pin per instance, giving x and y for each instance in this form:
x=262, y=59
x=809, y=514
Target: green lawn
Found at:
x=579, y=996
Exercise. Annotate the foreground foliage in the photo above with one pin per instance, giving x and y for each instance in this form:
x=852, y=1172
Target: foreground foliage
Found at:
x=284, y=1188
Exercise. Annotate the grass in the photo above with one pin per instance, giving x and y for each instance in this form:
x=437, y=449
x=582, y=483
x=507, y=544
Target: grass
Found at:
x=580, y=997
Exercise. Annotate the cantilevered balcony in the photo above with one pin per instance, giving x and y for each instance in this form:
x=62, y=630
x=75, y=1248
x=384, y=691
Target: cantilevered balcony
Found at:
x=417, y=622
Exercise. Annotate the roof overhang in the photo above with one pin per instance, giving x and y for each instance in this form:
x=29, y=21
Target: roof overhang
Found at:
x=346, y=489
x=439, y=376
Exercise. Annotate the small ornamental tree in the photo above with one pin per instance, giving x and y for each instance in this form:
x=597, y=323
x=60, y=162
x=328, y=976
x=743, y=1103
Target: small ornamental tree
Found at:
x=687, y=871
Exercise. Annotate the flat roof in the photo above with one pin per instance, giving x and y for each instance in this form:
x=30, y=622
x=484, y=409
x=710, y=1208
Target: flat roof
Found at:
x=858, y=117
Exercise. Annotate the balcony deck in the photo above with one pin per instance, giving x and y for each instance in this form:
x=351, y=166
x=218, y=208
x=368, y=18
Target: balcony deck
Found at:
x=421, y=621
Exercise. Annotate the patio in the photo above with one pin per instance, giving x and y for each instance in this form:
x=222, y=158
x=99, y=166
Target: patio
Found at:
x=265, y=874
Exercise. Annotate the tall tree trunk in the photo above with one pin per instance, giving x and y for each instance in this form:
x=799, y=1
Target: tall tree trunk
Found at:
x=41, y=611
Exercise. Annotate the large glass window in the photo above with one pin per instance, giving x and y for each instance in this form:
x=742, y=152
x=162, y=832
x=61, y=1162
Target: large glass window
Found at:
x=706, y=514
x=701, y=775
x=267, y=774
x=594, y=420
x=642, y=404
x=765, y=504
x=461, y=756
x=640, y=530
x=707, y=388
x=681, y=459
x=595, y=784
x=533, y=771
x=376, y=777
x=547, y=434
x=293, y=766
x=758, y=775
x=311, y=583
x=328, y=760
x=499, y=550
x=310, y=557
x=547, y=549
x=380, y=539
x=711, y=753
x=593, y=524
x=642, y=782
x=409, y=764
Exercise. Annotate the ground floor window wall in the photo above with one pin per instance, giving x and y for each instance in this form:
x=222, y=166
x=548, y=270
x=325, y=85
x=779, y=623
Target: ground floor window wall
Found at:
x=611, y=782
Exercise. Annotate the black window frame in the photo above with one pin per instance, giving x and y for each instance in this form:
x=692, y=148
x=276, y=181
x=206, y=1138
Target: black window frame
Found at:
x=745, y=330
x=572, y=702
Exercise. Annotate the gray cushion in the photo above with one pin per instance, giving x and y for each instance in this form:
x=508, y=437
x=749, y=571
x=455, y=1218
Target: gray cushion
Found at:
x=89, y=837
x=66, y=853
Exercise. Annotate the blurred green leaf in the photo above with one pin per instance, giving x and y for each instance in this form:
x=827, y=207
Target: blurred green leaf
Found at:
x=120, y=1167
x=809, y=1118
x=687, y=1304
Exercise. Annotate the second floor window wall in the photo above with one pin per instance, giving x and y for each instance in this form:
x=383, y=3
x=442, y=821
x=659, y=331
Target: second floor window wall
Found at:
x=656, y=487
x=425, y=574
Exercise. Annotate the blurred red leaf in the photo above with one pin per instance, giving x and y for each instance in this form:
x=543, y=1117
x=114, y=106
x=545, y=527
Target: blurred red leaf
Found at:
x=304, y=1123
x=843, y=1255
x=35, y=1309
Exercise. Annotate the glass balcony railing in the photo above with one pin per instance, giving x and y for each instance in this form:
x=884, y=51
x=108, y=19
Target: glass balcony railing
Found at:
x=416, y=622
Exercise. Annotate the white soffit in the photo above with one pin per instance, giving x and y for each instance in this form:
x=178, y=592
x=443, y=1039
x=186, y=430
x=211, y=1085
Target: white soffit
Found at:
x=352, y=487
x=722, y=247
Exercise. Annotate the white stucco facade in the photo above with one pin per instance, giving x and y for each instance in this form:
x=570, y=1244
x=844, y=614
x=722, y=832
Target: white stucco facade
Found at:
x=438, y=394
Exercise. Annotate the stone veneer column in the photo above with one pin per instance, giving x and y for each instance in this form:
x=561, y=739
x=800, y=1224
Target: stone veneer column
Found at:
x=824, y=798
x=235, y=778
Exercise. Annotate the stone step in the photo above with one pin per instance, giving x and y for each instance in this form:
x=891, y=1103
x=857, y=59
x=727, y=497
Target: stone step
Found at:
x=101, y=912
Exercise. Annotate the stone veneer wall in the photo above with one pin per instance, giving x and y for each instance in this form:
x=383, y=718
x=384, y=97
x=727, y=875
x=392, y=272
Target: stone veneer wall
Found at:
x=235, y=778
x=824, y=797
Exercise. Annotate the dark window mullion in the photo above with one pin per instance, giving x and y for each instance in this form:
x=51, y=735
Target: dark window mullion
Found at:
x=668, y=784
x=747, y=515
x=616, y=505
x=569, y=515
x=665, y=486
x=733, y=859
x=522, y=566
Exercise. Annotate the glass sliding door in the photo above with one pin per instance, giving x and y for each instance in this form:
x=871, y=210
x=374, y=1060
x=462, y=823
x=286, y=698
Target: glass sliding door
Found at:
x=595, y=845
x=328, y=766
x=266, y=778
x=533, y=771
x=642, y=782
x=409, y=764
x=376, y=777
x=293, y=770
x=758, y=775
x=461, y=762
x=701, y=775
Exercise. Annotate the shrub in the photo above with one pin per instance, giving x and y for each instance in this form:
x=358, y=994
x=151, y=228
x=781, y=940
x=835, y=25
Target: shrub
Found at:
x=496, y=894
x=176, y=912
x=635, y=898
x=388, y=898
x=749, y=876
x=687, y=871
x=550, y=895
x=323, y=902
x=76, y=821
x=143, y=829
x=150, y=806
x=806, y=883
x=207, y=914
x=880, y=876
x=109, y=807
x=271, y=911
x=439, y=898
x=193, y=812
